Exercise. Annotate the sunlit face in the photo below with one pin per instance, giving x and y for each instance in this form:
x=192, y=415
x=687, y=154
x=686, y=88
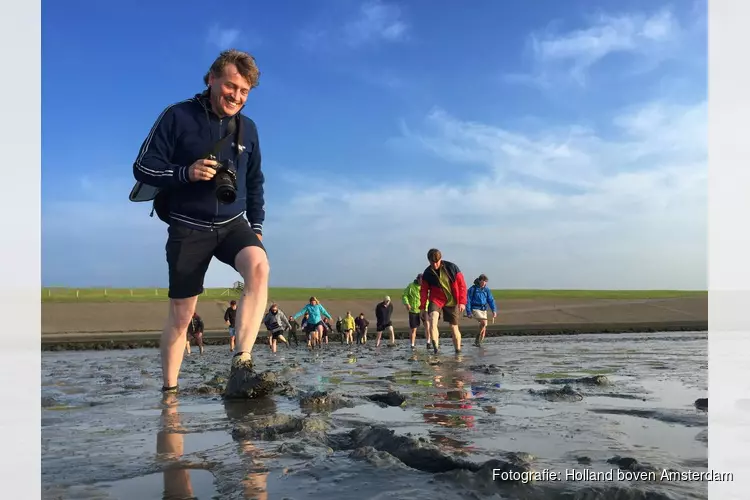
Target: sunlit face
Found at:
x=482, y=284
x=274, y=310
x=436, y=265
x=228, y=91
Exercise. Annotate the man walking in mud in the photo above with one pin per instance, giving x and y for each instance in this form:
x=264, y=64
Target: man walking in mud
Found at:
x=410, y=298
x=195, y=333
x=203, y=196
x=383, y=313
x=478, y=299
x=230, y=316
x=444, y=287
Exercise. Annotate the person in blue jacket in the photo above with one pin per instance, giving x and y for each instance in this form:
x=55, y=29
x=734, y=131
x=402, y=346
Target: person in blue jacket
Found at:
x=315, y=326
x=479, y=298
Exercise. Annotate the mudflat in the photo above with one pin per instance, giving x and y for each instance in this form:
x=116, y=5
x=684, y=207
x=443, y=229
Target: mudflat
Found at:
x=82, y=318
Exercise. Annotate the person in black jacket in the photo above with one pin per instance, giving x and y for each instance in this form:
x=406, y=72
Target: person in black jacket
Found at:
x=230, y=316
x=180, y=158
x=360, y=325
x=383, y=312
x=195, y=333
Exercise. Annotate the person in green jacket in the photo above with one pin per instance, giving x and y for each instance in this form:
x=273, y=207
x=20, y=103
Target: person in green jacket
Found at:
x=411, y=298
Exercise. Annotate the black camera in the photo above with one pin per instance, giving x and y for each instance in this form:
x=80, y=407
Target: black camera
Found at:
x=225, y=181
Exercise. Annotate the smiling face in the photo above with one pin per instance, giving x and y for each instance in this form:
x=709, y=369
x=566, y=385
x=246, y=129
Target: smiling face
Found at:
x=229, y=91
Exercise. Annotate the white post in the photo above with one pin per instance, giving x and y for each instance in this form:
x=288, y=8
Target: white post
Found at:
x=76, y=294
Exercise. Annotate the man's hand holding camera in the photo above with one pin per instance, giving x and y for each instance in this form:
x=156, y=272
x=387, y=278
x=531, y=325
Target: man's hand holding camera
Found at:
x=202, y=170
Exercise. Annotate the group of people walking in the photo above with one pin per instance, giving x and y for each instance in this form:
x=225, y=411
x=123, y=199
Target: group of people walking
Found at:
x=439, y=292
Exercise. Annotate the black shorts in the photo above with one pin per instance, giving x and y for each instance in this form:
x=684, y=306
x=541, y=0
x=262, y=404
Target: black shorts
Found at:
x=189, y=252
x=414, y=320
x=449, y=313
x=275, y=335
x=309, y=328
x=382, y=327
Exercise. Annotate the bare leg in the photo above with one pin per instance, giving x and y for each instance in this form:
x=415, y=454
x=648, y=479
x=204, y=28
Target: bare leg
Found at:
x=434, y=333
x=252, y=264
x=187, y=347
x=231, y=343
x=413, y=337
x=456, y=337
x=482, y=330
x=172, y=344
x=393, y=335
x=377, y=340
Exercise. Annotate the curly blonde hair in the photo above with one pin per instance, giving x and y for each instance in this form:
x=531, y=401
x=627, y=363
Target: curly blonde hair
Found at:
x=244, y=62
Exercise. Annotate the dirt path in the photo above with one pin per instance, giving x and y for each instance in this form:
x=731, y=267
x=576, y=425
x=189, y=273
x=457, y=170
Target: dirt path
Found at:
x=83, y=318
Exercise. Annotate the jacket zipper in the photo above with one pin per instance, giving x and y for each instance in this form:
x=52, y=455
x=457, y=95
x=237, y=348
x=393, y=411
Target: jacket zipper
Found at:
x=216, y=210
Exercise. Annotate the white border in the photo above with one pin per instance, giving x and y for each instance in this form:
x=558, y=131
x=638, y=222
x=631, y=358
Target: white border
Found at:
x=729, y=249
x=20, y=267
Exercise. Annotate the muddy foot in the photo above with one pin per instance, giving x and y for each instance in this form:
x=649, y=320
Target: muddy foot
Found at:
x=244, y=383
x=701, y=404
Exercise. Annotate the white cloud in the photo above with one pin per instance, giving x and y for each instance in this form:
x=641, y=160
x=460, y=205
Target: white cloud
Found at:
x=574, y=52
x=228, y=38
x=567, y=207
x=623, y=206
x=376, y=22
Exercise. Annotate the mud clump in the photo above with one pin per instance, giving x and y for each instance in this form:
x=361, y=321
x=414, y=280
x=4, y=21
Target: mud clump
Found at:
x=566, y=394
x=600, y=380
x=688, y=419
x=391, y=398
x=417, y=454
x=273, y=427
x=323, y=401
x=701, y=404
x=486, y=369
x=247, y=384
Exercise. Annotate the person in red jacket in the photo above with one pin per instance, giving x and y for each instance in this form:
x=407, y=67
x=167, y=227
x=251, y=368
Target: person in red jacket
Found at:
x=443, y=285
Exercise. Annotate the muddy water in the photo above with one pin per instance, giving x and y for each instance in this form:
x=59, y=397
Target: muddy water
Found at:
x=108, y=433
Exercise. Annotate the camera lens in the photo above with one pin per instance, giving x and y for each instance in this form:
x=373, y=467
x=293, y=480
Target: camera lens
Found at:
x=226, y=194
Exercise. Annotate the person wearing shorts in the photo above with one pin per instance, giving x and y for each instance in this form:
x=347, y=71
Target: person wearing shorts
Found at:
x=229, y=318
x=276, y=323
x=315, y=312
x=383, y=313
x=194, y=333
x=410, y=298
x=173, y=170
x=360, y=326
x=444, y=288
x=479, y=298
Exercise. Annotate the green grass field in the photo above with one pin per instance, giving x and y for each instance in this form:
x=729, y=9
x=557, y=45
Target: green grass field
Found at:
x=327, y=294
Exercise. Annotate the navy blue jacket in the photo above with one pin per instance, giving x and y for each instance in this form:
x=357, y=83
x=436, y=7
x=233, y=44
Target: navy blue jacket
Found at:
x=184, y=133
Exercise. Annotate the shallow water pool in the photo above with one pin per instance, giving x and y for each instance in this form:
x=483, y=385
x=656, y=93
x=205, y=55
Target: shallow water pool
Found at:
x=108, y=433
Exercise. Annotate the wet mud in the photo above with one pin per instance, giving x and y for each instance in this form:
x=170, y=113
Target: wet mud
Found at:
x=358, y=421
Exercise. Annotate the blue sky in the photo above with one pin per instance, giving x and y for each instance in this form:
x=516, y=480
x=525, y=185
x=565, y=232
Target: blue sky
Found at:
x=545, y=144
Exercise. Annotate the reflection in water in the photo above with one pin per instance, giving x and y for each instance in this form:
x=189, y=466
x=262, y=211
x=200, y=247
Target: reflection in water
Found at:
x=255, y=483
x=170, y=447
